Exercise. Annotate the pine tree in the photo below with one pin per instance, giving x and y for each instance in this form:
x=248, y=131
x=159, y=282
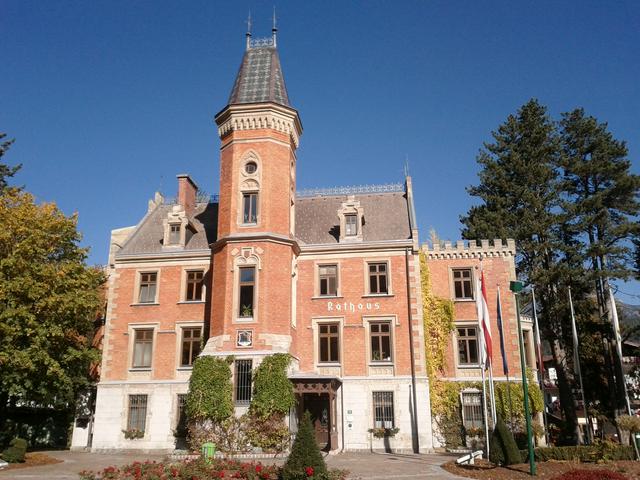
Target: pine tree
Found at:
x=304, y=453
x=600, y=198
x=5, y=170
x=520, y=198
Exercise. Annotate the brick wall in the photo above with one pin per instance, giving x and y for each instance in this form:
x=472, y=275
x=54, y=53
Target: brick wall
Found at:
x=499, y=269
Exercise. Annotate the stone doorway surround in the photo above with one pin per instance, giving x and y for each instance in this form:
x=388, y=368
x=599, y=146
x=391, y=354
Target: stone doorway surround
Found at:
x=305, y=387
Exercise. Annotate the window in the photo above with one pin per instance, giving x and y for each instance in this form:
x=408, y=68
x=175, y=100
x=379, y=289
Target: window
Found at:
x=329, y=343
x=351, y=225
x=462, y=284
x=328, y=280
x=381, y=341
x=467, y=346
x=471, y=409
x=142, y=348
x=194, y=286
x=247, y=290
x=378, y=278
x=190, y=345
x=249, y=207
x=383, y=410
x=174, y=234
x=250, y=167
x=243, y=381
x=181, y=414
x=137, y=418
x=148, y=286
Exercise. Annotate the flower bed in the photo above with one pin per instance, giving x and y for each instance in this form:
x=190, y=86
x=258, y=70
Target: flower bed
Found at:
x=200, y=469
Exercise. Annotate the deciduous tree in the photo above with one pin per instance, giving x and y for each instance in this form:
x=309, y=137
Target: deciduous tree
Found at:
x=49, y=298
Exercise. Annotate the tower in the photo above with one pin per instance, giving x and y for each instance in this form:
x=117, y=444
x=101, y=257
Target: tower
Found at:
x=254, y=255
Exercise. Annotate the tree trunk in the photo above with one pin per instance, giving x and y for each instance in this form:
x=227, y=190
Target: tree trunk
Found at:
x=568, y=401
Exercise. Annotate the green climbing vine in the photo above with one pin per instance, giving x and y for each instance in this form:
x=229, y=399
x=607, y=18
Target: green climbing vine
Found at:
x=272, y=399
x=210, y=390
x=272, y=389
x=438, y=317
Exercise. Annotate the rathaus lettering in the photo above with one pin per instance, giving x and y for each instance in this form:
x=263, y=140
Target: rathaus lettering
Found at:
x=352, y=307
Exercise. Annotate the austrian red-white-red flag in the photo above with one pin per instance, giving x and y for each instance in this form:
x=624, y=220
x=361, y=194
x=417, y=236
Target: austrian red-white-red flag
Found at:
x=483, y=320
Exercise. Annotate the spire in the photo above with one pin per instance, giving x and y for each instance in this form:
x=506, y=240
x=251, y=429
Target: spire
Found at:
x=249, y=31
x=274, y=29
x=260, y=78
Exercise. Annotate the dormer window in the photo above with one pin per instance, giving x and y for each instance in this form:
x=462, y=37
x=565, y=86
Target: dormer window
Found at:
x=174, y=234
x=351, y=225
x=177, y=229
x=351, y=216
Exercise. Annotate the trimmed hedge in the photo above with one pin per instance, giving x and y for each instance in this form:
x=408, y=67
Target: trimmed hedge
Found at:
x=504, y=450
x=604, y=451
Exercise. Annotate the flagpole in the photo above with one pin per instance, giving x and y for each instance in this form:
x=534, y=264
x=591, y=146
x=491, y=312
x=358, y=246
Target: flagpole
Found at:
x=505, y=366
x=492, y=395
x=540, y=365
x=484, y=395
x=576, y=361
x=485, y=349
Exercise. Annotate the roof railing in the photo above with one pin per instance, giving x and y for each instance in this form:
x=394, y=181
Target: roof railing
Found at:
x=200, y=198
x=351, y=190
x=261, y=42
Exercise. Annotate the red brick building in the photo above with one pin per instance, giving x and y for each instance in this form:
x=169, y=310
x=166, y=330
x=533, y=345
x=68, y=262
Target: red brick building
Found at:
x=331, y=277
x=328, y=276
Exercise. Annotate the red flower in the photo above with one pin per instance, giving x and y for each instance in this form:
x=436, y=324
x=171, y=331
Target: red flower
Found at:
x=221, y=474
x=308, y=471
x=258, y=468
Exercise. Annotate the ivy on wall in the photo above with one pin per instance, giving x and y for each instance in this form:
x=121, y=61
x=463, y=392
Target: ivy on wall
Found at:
x=438, y=317
x=210, y=390
x=272, y=399
x=272, y=389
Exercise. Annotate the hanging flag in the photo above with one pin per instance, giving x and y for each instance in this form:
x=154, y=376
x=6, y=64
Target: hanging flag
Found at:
x=505, y=367
x=483, y=319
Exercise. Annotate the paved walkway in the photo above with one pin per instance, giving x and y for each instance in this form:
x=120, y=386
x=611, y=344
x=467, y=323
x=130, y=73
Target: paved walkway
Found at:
x=363, y=466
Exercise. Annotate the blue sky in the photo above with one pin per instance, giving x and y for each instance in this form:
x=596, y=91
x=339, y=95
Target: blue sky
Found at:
x=108, y=101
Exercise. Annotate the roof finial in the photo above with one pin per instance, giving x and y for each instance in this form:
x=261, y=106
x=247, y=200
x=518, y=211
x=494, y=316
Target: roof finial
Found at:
x=274, y=29
x=249, y=31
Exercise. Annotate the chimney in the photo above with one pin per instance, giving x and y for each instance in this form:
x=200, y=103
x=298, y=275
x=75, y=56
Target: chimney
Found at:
x=187, y=190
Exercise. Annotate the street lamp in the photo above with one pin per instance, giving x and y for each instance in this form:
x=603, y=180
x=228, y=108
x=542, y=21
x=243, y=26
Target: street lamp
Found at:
x=516, y=287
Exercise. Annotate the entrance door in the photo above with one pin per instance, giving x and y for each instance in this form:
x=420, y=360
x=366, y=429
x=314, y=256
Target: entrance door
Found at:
x=318, y=407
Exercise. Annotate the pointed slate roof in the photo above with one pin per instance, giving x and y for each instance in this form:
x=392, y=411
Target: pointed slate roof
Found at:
x=260, y=78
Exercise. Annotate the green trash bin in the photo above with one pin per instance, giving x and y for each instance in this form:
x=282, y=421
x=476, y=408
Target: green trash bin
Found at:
x=208, y=451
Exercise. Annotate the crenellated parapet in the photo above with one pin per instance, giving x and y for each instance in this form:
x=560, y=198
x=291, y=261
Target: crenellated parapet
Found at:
x=470, y=249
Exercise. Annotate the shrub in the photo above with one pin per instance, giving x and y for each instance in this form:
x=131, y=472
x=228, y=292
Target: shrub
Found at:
x=503, y=449
x=305, y=453
x=16, y=451
x=230, y=435
x=591, y=475
x=629, y=423
x=607, y=451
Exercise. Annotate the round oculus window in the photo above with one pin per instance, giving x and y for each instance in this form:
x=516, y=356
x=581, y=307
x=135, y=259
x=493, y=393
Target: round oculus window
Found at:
x=250, y=167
